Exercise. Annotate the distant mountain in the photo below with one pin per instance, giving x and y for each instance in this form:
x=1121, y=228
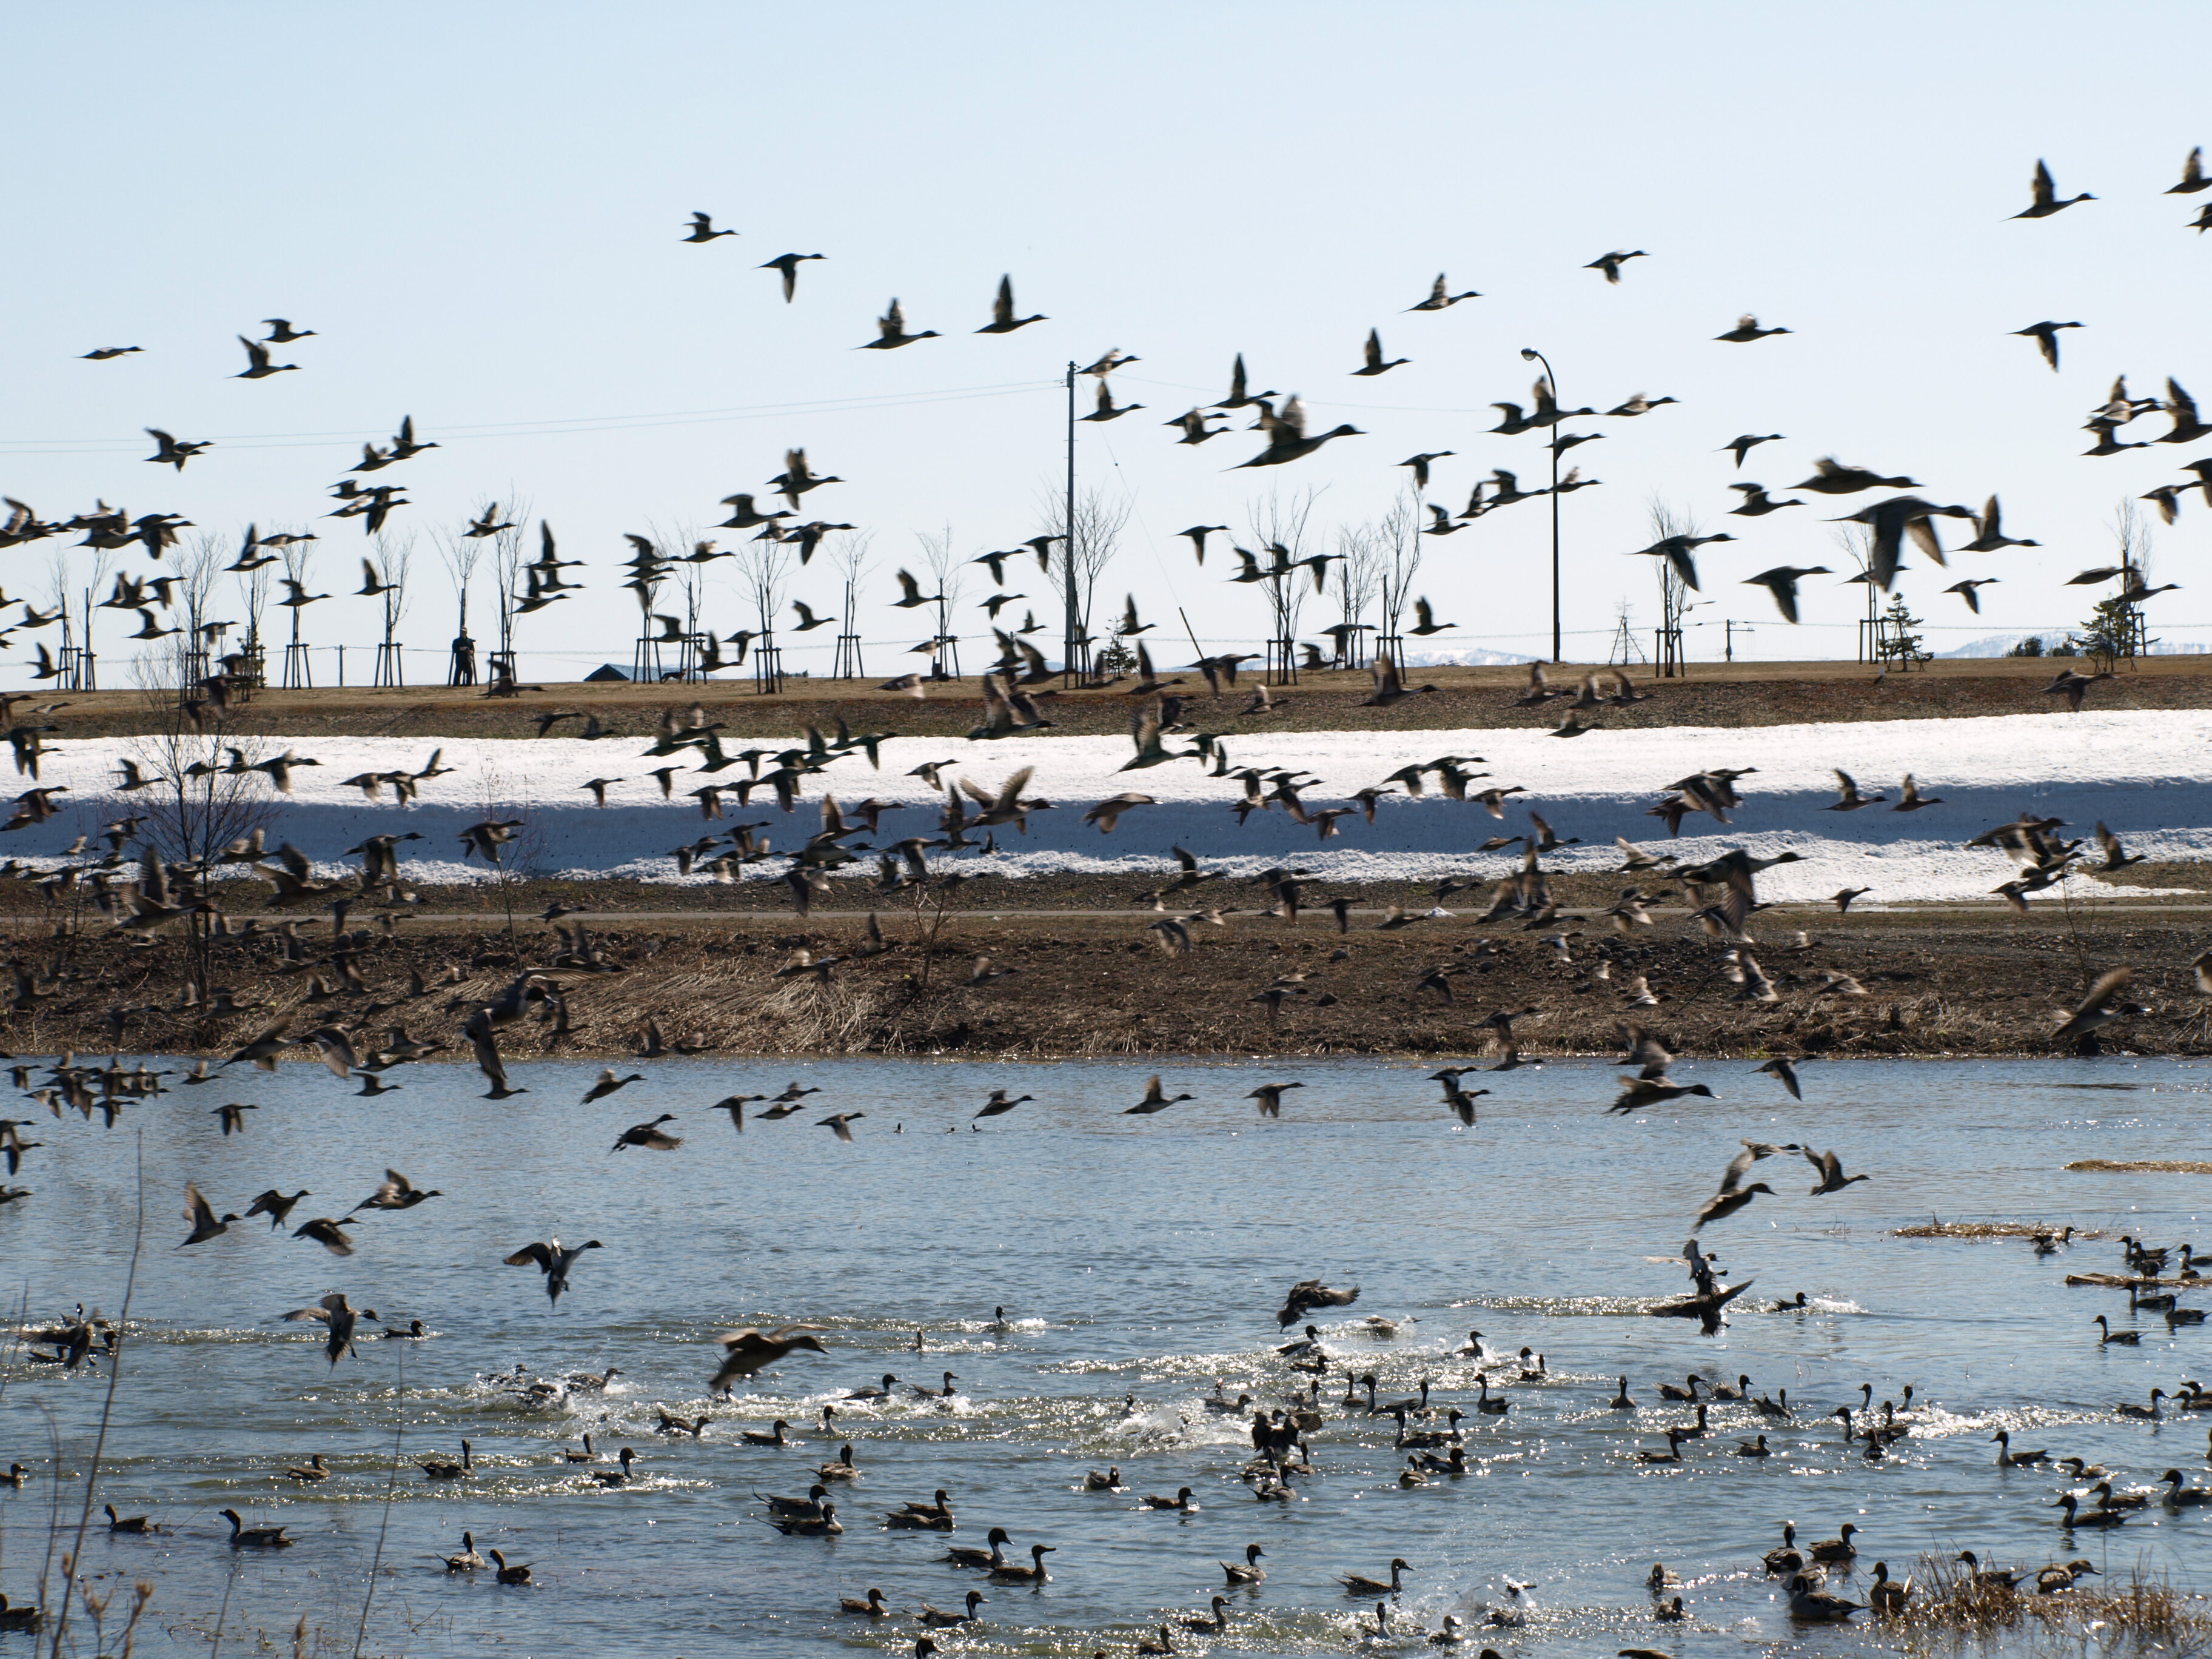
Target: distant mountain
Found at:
x=1992, y=645
x=1468, y=656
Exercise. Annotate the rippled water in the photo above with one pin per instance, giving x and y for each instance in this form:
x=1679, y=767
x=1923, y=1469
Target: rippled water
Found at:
x=1133, y=1255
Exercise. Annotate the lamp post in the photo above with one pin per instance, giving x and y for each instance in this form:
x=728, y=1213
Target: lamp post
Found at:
x=1530, y=354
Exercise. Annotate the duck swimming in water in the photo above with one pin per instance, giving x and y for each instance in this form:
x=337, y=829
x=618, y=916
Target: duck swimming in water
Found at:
x=1217, y=1624
x=938, y=1618
x=916, y=1518
x=809, y=1507
x=1179, y=1501
x=243, y=1537
x=438, y=1470
x=1453, y=1462
x=1838, y=1548
x=2010, y=1459
x=1812, y=1605
x=1357, y=1584
x=1014, y=1572
x=966, y=1555
x=2076, y=1521
x=468, y=1561
x=1251, y=1573
x=1887, y=1595
x=1109, y=1481
x=825, y=1525
x=135, y=1525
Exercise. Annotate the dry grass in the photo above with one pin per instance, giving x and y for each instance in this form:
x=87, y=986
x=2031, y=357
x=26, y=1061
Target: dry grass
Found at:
x=1934, y=1227
x=1949, y=1610
x=2143, y=1166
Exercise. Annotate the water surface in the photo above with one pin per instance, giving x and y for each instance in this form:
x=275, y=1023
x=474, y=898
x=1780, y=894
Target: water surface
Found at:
x=1133, y=1255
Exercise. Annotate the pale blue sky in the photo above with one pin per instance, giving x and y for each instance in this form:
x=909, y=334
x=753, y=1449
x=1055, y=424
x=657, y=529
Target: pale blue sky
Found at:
x=478, y=209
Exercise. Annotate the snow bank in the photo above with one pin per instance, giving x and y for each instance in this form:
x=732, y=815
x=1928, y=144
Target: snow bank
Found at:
x=2142, y=773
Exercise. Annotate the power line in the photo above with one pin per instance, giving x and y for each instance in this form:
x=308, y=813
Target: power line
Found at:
x=557, y=427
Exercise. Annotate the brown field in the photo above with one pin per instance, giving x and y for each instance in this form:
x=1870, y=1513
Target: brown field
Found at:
x=1737, y=695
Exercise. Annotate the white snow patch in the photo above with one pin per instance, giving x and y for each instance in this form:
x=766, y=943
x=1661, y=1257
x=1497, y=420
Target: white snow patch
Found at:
x=2143, y=773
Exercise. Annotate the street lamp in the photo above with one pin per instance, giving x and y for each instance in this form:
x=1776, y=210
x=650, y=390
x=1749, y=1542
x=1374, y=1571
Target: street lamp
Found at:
x=1530, y=354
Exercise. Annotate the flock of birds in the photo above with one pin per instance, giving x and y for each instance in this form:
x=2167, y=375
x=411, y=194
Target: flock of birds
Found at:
x=1440, y=1440
x=144, y=895
x=1280, y=419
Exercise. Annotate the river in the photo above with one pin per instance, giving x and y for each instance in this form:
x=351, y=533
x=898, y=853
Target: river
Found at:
x=1133, y=1255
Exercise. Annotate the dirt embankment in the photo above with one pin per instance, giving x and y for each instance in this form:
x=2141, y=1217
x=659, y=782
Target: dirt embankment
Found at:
x=1737, y=695
x=1935, y=984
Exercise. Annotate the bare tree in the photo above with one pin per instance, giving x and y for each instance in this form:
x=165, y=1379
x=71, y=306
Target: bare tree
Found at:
x=763, y=569
x=853, y=556
x=298, y=557
x=253, y=593
x=2122, y=623
x=1358, y=580
x=1398, y=544
x=2131, y=538
x=394, y=554
x=197, y=565
x=199, y=807
x=1280, y=525
x=1666, y=521
x=78, y=604
x=507, y=552
x=460, y=554
x=947, y=572
x=689, y=556
x=1100, y=519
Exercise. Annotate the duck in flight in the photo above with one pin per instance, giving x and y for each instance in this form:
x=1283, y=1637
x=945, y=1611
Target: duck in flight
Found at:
x=2045, y=335
x=702, y=229
x=788, y=264
x=258, y=366
x=2047, y=200
x=1610, y=263
x=1003, y=320
x=1746, y=330
x=1782, y=580
x=1375, y=363
x=1286, y=435
x=1438, y=300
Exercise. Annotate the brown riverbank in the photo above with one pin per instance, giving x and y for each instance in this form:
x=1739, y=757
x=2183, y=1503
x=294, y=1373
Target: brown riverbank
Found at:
x=1936, y=981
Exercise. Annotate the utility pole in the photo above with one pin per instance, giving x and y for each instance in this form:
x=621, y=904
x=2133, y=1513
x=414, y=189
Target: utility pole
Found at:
x=1530, y=354
x=1067, y=524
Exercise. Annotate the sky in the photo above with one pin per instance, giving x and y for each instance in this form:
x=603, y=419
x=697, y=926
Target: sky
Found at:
x=479, y=211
